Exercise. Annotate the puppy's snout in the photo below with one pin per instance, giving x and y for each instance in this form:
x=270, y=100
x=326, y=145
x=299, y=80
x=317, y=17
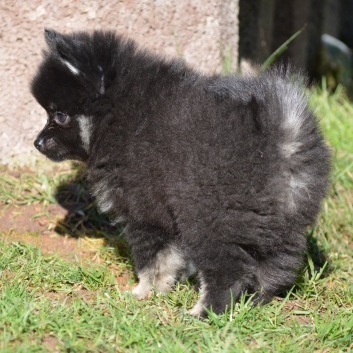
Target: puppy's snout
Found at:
x=38, y=143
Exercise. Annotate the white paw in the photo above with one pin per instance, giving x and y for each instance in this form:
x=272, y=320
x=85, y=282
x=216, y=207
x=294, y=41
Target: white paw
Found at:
x=164, y=284
x=142, y=291
x=197, y=310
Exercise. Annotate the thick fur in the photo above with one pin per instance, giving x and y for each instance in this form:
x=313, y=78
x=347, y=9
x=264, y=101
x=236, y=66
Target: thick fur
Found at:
x=210, y=173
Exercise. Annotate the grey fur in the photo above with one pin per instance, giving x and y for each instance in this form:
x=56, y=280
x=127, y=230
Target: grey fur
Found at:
x=217, y=173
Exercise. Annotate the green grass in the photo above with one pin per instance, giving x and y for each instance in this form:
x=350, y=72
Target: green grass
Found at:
x=50, y=304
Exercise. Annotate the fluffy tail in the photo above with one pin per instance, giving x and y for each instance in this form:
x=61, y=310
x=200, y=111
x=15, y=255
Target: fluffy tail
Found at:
x=306, y=157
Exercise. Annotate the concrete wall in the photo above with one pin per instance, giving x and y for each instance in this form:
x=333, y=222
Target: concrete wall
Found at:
x=199, y=31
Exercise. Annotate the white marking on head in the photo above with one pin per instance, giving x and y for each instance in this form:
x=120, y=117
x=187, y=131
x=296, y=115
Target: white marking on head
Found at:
x=85, y=124
x=72, y=68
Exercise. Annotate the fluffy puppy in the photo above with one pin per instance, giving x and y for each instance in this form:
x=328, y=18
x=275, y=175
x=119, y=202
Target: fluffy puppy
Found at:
x=214, y=174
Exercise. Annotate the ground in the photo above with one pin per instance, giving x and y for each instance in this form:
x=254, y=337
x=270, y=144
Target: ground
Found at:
x=68, y=225
x=21, y=224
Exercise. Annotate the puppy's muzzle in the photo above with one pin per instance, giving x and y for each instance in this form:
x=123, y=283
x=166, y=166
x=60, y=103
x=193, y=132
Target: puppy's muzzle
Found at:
x=39, y=143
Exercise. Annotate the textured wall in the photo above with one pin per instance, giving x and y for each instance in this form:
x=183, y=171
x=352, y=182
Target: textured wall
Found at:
x=200, y=31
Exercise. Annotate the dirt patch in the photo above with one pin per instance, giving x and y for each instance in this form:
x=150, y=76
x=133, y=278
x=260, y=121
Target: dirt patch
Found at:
x=30, y=218
x=71, y=228
x=295, y=310
x=29, y=224
x=77, y=292
x=51, y=343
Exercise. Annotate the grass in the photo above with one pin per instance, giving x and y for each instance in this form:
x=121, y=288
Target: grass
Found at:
x=52, y=304
x=282, y=48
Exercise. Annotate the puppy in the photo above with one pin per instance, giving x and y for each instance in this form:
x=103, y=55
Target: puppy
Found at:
x=217, y=174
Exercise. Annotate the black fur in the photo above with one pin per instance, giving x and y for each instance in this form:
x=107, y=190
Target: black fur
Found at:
x=223, y=173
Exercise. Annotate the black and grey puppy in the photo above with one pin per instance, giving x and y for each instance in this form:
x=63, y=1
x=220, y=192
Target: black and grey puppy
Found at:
x=215, y=174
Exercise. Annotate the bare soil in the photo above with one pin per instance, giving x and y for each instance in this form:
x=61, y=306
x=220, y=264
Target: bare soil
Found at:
x=28, y=224
x=22, y=223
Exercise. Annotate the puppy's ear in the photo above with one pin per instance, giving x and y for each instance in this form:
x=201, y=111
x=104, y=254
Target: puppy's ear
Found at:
x=63, y=48
x=73, y=53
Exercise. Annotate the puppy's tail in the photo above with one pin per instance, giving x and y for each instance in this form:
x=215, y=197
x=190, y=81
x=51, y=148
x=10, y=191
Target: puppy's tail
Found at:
x=305, y=156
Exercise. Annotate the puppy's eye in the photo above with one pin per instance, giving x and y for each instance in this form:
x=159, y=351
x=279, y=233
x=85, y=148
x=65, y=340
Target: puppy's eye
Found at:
x=61, y=119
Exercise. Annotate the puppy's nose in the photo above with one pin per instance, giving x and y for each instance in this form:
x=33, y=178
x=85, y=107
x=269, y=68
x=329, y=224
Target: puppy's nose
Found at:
x=38, y=143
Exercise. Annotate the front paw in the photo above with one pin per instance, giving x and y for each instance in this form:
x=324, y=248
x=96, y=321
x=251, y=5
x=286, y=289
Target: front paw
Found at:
x=198, y=310
x=142, y=291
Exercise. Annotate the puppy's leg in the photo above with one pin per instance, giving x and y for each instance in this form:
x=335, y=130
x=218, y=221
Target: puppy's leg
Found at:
x=158, y=261
x=161, y=273
x=226, y=271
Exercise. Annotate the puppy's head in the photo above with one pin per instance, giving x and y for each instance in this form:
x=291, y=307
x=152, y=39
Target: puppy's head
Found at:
x=70, y=81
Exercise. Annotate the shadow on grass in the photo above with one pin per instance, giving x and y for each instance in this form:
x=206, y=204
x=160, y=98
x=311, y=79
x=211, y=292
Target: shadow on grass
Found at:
x=320, y=265
x=317, y=255
x=83, y=218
